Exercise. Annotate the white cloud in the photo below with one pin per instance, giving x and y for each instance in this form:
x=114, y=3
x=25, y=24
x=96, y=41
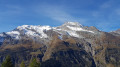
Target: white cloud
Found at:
x=107, y=26
x=57, y=13
x=10, y=10
x=107, y=4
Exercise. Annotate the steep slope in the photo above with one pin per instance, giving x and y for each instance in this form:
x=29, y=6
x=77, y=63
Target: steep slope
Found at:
x=116, y=33
x=71, y=45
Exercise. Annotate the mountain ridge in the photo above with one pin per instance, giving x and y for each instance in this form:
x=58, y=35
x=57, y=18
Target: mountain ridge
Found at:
x=70, y=43
x=32, y=29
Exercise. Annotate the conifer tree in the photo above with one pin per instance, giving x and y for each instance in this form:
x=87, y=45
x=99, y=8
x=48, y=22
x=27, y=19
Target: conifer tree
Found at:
x=7, y=62
x=22, y=64
x=34, y=63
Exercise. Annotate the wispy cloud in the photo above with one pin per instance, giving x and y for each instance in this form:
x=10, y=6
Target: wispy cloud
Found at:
x=57, y=13
x=107, y=15
x=103, y=14
x=9, y=11
x=106, y=4
x=105, y=26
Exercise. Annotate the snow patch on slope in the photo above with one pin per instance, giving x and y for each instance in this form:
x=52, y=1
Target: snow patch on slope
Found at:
x=1, y=34
x=22, y=27
x=14, y=34
x=31, y=30
x=73, y=33
x=78, y=29
x=60, y=37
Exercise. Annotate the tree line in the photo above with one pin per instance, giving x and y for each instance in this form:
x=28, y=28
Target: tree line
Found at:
x=49, y=63
x=8, y=63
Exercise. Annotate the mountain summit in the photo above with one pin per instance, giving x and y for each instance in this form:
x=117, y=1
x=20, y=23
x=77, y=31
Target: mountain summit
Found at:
x=68, y=28
x=72, y=24
x=68, y=45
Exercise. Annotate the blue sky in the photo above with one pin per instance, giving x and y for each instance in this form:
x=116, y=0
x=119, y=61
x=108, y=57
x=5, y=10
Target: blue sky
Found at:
x=103, y=14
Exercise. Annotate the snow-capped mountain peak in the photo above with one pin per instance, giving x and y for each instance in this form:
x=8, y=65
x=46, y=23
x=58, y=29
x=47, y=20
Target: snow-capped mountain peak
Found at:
x=72, y=29
x=72, y=24
x=43, y=32
x=35, y=30
x=15, y=34
x=33, y=27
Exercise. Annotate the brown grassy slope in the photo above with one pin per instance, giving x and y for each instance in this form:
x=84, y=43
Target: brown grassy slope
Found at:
x=107, y=51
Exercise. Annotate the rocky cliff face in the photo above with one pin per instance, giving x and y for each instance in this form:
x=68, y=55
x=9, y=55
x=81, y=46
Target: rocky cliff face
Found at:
x=71, y=44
